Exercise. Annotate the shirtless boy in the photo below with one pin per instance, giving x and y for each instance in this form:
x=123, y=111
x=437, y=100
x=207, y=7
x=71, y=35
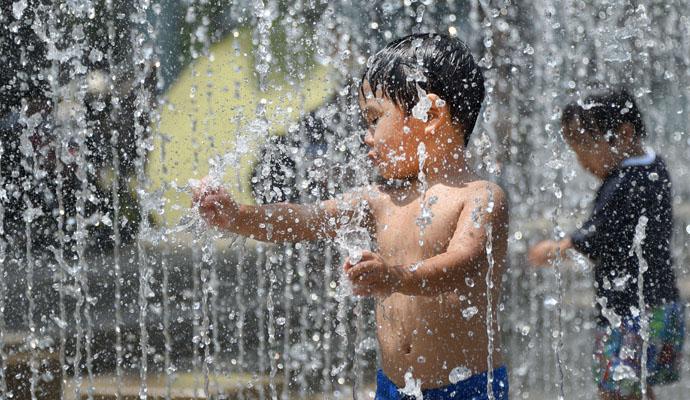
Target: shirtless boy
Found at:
x=439, y=230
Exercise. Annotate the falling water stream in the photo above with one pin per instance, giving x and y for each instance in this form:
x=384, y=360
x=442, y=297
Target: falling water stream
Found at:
x=3, y=288
x=640, y=234
x=111, y=112
x=489, y=312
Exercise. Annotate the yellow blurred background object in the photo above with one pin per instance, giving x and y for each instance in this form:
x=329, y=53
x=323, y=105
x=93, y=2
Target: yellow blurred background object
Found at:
x=211, y=110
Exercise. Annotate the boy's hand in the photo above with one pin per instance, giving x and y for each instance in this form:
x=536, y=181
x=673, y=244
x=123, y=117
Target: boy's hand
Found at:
x=216, y=206
x=543, y=253
x=372, y=276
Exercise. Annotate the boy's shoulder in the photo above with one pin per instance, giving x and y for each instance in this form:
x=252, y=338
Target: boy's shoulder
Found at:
x=472, y=189
x=467, y=193
x=485, y=191
x=484, y=185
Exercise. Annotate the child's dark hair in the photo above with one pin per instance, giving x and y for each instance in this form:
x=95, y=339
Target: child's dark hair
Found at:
x=602, y=112
x=439, y=64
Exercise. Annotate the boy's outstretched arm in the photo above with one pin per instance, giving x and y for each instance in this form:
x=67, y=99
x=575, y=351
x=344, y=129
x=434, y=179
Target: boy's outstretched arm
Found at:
x=281, y=222
x=466, y=253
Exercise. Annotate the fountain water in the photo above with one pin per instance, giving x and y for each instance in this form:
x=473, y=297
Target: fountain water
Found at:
x=107, y=109
x=640, y=233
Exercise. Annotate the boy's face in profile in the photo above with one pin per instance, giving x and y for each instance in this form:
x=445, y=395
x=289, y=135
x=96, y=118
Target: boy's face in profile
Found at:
x=392, y=135
x=593, y=151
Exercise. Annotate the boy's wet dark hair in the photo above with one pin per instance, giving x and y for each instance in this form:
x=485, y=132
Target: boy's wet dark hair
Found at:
x=439, y=64
x=602, y=112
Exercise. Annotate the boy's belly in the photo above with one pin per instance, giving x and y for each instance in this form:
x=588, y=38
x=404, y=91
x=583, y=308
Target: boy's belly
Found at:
x=430, y=337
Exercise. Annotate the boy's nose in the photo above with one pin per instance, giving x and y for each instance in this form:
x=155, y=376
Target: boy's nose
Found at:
x=369, y=139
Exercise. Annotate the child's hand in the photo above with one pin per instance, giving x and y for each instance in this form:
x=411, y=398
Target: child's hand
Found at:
x=544, y=252
x=372, y=276
x=216, y=206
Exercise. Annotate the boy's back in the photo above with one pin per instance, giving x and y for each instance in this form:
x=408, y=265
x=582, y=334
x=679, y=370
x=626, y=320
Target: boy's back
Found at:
x=641, y=186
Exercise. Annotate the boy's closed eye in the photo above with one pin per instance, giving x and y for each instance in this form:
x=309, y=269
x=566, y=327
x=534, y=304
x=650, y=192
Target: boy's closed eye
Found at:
x=372, y=118
x=371, y=115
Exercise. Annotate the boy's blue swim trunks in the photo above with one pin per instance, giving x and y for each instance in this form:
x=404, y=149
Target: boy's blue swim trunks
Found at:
x=472, y=388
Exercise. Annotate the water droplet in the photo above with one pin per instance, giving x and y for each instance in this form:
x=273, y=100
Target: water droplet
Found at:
x=413, y=387
x=469, y=312
x=18, y=8
x=413, y=267
x=421, y=109
x=622, y=371
x=459, y=373
x=469, y=282
x=59, y=322
x=550, y=302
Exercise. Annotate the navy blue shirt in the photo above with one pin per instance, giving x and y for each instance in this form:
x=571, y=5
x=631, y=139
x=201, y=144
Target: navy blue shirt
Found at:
x=638, y=187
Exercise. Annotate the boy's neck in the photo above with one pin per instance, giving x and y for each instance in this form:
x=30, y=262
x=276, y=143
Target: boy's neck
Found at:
x=636, y=149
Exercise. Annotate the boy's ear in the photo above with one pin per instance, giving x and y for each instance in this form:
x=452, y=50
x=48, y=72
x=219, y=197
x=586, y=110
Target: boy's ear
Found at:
x=625, y=135
x=626, y=131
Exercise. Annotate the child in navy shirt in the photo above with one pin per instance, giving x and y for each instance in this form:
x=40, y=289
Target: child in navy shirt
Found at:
x=605, y=131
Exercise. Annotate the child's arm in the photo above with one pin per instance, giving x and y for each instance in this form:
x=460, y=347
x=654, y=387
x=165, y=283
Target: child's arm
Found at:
x=466, y=253
x=281, y=222
x=544, y=253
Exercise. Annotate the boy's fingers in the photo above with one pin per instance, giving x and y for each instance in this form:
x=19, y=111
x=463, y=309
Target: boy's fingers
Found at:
x=538, y=260
x=357, y=270
x=360, y=290
x=534, y=260
x=212, y=200
x=202, y=192
x=362, y=271
x=347, y=265
x=367, y=254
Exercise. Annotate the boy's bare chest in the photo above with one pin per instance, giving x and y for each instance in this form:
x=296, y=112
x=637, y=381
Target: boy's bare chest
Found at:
x=416, y=230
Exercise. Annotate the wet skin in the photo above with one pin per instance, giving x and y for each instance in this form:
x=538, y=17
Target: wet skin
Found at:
x=423, y=330
x=420, y=326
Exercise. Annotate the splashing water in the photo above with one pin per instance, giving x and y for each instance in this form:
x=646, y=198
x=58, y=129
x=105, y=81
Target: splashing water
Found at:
x=638, y=239
x=421, y=109
x=489, y=311
x=425, y=214
x=97, y=99
x=353, y=241
x=459, y=373
x=413, y=387
x=469, y=312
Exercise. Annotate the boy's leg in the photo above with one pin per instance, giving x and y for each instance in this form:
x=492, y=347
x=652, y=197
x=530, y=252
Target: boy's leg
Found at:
x=618, y=352
x=612, y=396
x=650, y=394
x=616, y=363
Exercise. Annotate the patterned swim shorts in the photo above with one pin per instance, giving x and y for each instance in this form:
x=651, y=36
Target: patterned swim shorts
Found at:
x=618, y=351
